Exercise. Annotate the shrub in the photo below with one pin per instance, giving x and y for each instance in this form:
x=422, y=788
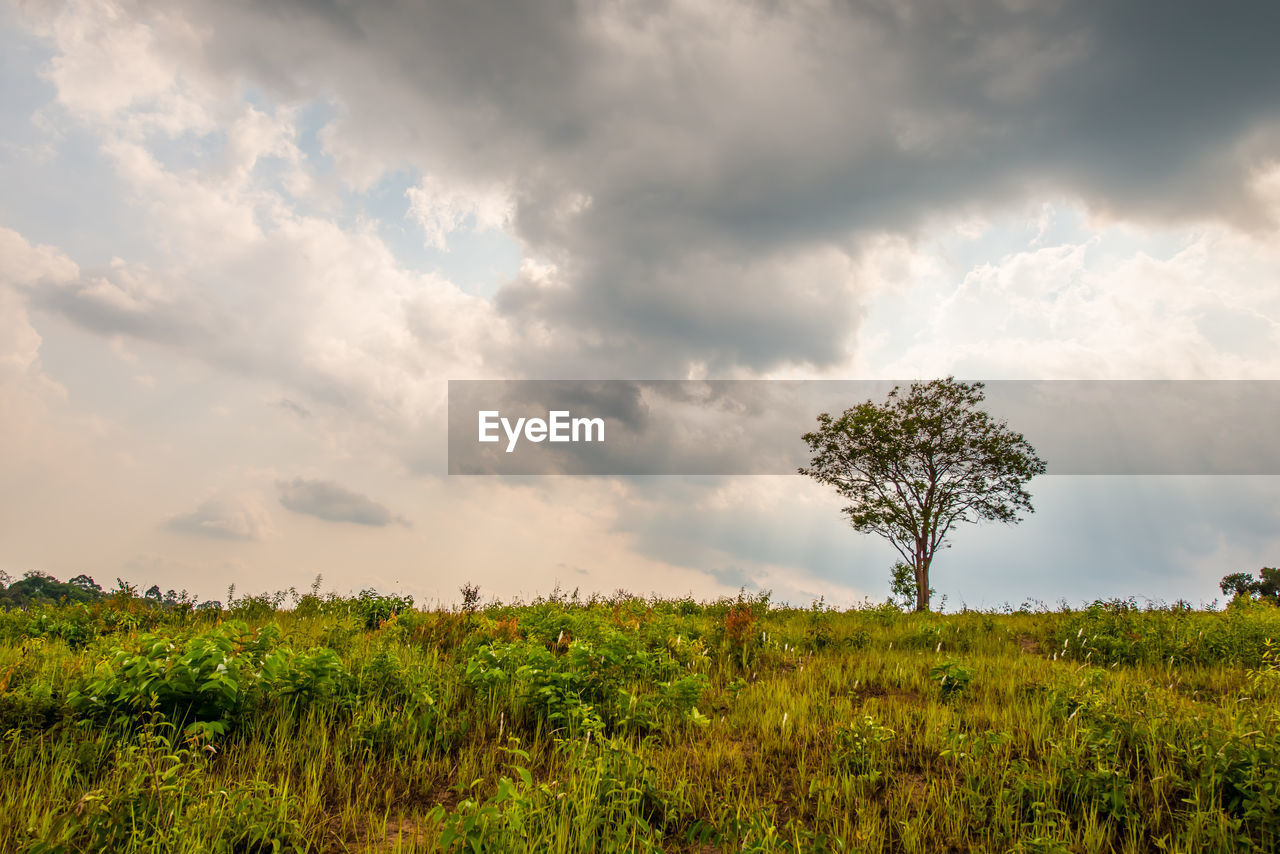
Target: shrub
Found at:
x=194, y=680
x=373, y=609
x=300, y=677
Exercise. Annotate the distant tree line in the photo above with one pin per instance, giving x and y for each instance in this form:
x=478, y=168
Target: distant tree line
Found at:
x=1265, y=587
x=38, y=588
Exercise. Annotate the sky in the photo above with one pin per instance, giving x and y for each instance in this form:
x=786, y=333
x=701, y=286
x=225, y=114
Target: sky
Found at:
x=244, y=248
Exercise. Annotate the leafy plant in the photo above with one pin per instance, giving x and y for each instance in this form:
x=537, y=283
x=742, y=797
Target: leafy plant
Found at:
x=952, y=677
x=302, y=677
x=860, y=746
x=191, y=680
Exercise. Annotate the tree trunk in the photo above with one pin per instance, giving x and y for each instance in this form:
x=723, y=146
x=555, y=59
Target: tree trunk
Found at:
x=922, y=578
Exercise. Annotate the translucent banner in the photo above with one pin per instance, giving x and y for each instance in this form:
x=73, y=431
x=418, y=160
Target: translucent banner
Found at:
x=736, y=427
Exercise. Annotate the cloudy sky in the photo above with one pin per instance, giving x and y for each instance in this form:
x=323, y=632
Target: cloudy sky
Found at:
x=243, y=248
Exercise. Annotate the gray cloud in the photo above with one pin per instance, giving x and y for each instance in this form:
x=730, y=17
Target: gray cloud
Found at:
x=293, y=407
x=699, y=174
x=118, y=300
x=333, y=502
x=221, y=519
x=702, y=181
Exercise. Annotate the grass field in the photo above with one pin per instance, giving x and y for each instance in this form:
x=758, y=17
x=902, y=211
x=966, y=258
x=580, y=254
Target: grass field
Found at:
x=630, y=724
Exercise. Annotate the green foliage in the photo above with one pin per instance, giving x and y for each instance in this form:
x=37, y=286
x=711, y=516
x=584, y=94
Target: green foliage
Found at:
x=921, y=463
x=615, y=680
x=927, y=635
x=1265, y=587
x=638, y=725
x=198, y=679
x=300, y=677
x=902, y=584
x=821, y=626
x=952, y=677
x=375, y=609
x=860, y=747
x=202, y=681
x=158, y=797
x=609, y=801
x=249, y=817
x=1119, y=632
x=38, y=588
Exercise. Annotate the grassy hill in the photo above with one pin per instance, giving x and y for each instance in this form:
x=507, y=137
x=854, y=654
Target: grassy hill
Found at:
x=625, y=724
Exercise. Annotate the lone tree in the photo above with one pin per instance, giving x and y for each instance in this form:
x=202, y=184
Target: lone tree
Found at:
x=921, y=462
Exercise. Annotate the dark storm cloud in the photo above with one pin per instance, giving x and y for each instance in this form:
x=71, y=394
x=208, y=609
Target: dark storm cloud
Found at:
x=689, y=168
x=333, y=502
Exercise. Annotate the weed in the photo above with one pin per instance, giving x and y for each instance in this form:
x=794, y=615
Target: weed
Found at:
x=952, y=677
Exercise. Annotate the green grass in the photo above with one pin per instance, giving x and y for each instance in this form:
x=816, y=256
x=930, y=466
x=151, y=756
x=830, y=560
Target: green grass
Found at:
x=630, y=724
